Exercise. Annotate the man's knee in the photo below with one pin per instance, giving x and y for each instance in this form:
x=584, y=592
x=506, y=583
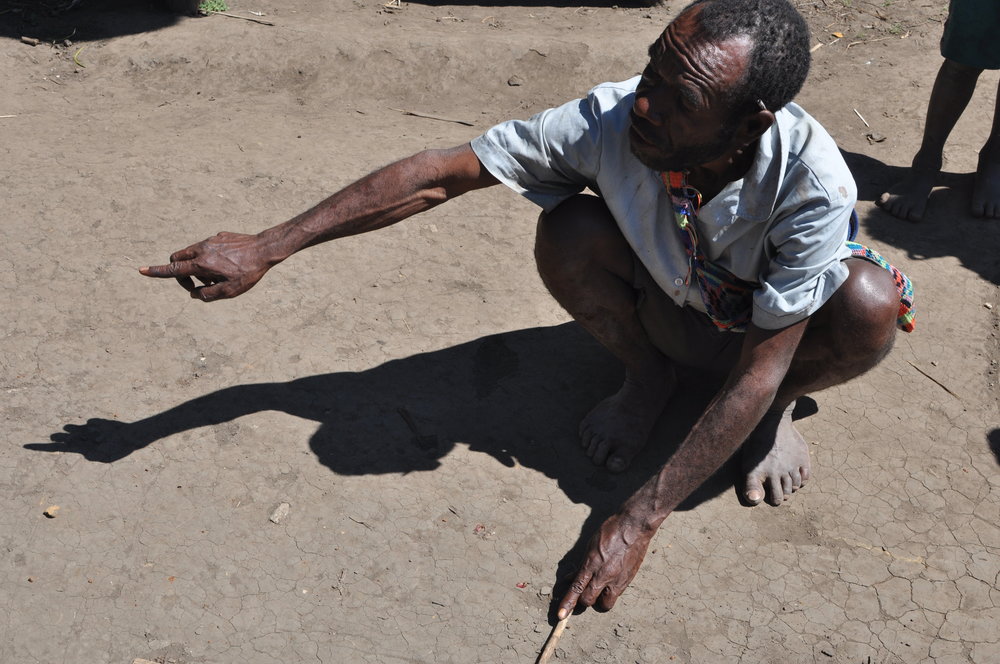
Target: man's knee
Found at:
x=861, y=316
x=579, y=234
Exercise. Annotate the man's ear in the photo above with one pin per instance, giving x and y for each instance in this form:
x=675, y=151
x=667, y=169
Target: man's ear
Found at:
x=754, y=125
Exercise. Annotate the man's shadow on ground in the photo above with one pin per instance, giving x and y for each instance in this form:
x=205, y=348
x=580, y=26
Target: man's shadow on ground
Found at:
x=948, y=228
x=53, y=21
x=993, y=440
x=516, y=396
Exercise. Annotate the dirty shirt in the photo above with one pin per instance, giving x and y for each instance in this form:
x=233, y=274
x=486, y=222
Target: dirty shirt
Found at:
x=782, y=227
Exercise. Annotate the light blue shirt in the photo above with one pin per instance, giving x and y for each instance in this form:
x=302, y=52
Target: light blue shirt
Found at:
x=782, y=226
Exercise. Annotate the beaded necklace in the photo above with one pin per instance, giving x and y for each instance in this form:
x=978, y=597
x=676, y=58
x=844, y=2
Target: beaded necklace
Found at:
x=686, y=201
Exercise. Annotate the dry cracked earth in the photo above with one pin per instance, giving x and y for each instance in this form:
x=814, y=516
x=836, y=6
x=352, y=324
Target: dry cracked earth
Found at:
x=371, y=457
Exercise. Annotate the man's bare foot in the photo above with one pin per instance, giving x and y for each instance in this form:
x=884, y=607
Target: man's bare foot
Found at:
x=780, y=458
x=986, y=192
x=907, y=199
x=618, y=427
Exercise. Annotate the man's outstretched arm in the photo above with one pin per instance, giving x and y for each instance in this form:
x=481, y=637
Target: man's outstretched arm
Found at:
x=229, y=264
x=617, y=549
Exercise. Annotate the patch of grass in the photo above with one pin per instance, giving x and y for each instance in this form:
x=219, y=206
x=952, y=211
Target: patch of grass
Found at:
x=209, y=6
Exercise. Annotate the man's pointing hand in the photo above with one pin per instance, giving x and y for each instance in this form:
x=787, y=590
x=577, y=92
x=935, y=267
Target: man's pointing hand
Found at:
x=226, y=265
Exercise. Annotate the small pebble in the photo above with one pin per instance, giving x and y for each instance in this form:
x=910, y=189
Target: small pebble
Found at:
x=51, y=511
x=988, y=305
x=515, y=81
x=279, y=513
x=545, y=591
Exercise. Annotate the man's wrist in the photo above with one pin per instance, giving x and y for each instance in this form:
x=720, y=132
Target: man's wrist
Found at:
x=642, y=516
x=275, y=245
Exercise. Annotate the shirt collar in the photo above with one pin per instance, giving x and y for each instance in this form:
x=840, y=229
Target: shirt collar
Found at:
x=758, y=190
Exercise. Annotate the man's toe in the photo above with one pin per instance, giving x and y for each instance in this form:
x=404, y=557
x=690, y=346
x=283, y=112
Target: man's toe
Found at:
x=599, y=452
x=617, y=463
x=753, y=491
x=787, y=487
x=775, y=496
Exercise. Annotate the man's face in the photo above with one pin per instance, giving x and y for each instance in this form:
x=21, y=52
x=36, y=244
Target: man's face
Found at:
x=680, y=117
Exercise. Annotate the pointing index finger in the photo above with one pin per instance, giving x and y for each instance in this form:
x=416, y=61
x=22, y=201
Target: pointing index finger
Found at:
x=170, y=270
x=573, y=594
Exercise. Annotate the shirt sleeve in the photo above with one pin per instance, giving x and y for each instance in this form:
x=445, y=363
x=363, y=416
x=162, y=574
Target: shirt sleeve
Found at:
x=549, y=157
x=804, y=251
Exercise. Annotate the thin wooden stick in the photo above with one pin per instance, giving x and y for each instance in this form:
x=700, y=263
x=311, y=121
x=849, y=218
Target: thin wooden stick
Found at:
x=245, y=18
x=417, y=114
x=934, y=380
x=553, y=640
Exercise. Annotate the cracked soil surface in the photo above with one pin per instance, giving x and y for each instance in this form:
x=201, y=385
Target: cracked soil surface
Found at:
x=409, y=399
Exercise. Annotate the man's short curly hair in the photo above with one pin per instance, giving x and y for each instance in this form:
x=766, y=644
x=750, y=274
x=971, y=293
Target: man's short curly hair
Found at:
x=780, y=58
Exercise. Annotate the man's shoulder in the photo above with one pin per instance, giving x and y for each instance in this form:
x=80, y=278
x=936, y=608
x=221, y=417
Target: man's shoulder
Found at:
x=802, y=130
x=810, y=146
x=609, y=95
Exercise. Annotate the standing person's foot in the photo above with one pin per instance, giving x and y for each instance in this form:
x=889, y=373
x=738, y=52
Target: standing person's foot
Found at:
x=986, y=192
x=907, y=199
x=775, y=459
x=619, y=427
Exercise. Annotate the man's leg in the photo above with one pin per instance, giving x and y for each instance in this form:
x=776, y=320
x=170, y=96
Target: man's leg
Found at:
x=587, y=266
x=986, y=193
x=849, y=335
x=953, y=88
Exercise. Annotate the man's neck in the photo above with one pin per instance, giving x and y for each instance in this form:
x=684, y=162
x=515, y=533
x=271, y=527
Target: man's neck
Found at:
x=709, y=179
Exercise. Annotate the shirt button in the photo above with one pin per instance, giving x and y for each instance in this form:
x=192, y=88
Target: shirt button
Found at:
x=678, y=282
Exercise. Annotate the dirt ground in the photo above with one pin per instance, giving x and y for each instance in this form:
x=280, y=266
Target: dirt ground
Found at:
x=371, y=457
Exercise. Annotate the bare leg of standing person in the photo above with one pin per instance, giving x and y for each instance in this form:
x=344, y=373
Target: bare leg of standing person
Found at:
x=953, y=88
x=986, y=193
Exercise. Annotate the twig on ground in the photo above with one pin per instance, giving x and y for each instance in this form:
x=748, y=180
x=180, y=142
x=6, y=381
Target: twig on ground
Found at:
x=359, y=522
x=550, y=645
x=245, y=18
x=934, y=380
x=431, y=117
x=862, y=119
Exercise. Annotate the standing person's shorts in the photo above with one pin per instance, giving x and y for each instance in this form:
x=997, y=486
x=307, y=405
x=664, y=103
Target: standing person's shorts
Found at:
x=972, y=33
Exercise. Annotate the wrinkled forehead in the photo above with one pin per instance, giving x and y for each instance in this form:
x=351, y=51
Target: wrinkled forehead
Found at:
x=686, y=42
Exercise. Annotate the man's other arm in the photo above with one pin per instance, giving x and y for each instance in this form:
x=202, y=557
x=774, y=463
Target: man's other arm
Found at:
x=617, y=549
x=229, y=264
